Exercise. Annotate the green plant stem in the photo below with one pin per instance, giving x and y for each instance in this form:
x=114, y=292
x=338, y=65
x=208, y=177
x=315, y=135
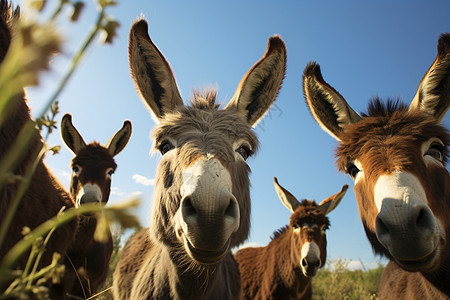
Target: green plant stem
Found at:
x=39, y=256
x=57, y=10
x=22, y=246
x=76, y=60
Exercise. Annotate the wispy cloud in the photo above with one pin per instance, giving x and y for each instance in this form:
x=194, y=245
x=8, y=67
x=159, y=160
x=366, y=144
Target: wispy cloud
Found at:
x=117, y=191
x=143, y=180
x=358, y=265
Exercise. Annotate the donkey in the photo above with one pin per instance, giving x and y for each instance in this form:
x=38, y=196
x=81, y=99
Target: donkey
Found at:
x=93, y=165
x=201, y=200
x=45, y=196
x=283, y=269
x=396, y=156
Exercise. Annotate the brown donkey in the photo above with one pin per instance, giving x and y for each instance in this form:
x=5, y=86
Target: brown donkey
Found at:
x=396, y=156
x=284, y=268
x=93, y=165
x=201, y=201
x=45, y=196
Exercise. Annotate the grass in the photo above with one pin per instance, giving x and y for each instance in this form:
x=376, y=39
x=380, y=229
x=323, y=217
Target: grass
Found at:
x=336, y=281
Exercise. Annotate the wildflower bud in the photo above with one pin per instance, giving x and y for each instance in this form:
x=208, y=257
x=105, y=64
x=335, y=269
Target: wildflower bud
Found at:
x=77, y=8
x=109, y=31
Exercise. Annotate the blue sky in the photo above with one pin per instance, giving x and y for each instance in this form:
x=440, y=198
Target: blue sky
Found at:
x=365, y=49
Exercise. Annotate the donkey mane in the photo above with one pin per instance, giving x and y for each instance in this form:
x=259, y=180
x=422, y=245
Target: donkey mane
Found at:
x=204, y=99
x=307, y=212
x=378, y=108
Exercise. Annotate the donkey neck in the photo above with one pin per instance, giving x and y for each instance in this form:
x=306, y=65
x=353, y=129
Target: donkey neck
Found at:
x=175, y=276
x=282, y=261
x=206, y=281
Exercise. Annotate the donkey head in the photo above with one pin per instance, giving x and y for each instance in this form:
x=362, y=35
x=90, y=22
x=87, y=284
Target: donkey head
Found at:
x=93, y=164
x=201, y=201
x=307, y=226
x=396, y=156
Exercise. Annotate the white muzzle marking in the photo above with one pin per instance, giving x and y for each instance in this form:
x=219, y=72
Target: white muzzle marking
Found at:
x=89, y=193
x=401, y=187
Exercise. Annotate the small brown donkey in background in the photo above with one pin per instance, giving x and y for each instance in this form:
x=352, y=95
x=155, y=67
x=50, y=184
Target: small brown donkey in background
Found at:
x=87, y=261
x=284, y=268
x=201, y=200
x=396, y=156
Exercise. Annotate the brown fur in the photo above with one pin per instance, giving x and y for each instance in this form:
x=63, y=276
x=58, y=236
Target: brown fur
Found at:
x=87, y=261
x=386, y=140
x=389, y=138
x=273, y=271
x=200, y=129
x=45, y=197
x=201, y=200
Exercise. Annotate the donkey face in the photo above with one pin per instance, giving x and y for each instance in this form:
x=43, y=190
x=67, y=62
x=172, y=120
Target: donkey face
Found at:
x=396, y=156
x=307, y=227
x=93, y=164
x=201, y=200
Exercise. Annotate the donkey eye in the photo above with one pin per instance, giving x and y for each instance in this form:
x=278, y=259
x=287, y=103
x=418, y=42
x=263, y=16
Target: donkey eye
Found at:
x=109, y=172
x=76, y=169
x=165, y=147
x=244, y=151
x=436, y=151
x=352, y=170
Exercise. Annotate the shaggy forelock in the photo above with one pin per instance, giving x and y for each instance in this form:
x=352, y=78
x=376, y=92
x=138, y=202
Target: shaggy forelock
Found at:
x=307, y=212
x=203, y=117
x=390, y=124
x=97, y=153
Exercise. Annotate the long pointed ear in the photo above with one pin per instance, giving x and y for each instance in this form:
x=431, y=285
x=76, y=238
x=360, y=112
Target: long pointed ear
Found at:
x=151, y=72
x=433, y=95
x=329, y=204
x=70, y=135
x=119, y=140
x=260, y=86
x=327, y=106
x=286, y=198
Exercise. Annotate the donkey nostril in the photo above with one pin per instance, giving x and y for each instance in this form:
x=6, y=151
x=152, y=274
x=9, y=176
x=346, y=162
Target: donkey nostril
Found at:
x=304, y=262
x=231, y=209
x=187, y=207
x=381, y=228
x=318, y=263
x=424, y=219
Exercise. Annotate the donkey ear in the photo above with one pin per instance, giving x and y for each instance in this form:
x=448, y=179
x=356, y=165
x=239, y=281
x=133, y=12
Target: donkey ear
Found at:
x=151, y=72
x=286, y=198
x=70, y=135
x=259, y=87
x=329, y=204
x=327, y=106
x=118, y=141
x=433, y=95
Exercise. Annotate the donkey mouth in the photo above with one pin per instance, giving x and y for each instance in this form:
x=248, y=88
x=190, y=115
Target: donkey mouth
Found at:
x=207, y=256
x=426, y=263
